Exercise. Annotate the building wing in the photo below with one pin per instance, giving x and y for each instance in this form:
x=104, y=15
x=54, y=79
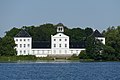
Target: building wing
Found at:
x=77, y=44
x=41, y=44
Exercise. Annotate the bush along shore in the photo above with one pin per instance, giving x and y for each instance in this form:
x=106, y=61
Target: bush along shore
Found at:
x=31, y=58
x=23, y=58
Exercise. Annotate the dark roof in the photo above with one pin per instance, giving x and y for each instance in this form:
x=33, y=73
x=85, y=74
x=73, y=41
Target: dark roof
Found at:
x=60, y=24
x=77, y=44
x=47, y=44
x=96, y=33
x=22, y=33
x=41, y=44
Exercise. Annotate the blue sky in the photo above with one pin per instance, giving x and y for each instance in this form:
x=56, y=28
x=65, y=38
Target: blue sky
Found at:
x=97, y=14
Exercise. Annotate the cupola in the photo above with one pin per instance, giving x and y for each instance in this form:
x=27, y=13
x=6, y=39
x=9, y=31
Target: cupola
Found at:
x=60, y=27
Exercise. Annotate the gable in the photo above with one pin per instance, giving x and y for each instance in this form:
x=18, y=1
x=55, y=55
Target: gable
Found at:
x=96, y=33
x=22, y=33
x=60, y=35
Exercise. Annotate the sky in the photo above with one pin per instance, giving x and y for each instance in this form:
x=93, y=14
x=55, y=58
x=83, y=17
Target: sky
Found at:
x=97, y=14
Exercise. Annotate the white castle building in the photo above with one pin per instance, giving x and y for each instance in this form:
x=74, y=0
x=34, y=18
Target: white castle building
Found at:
x=59, y=45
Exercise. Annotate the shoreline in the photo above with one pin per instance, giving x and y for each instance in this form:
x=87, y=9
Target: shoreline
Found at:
x=51, y=61
x=24, y=59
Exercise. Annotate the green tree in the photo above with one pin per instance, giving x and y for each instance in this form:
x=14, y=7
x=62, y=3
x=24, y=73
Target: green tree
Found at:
x=7, y=45
x=83, y=55
x=90, y=46
x=113, y=38
x=108, y=53
x=88, y=31
x=12, y=32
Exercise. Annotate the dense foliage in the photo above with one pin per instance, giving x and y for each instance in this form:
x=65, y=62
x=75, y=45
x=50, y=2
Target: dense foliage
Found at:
x=7, y=45
x=97, y=51
x=94, y=48
x=44, y=32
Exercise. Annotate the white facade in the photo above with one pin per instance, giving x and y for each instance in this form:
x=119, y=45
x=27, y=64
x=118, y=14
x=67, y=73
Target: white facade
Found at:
x=60, y=45
x=102, y=39
x=41, y=52
x=24, y=45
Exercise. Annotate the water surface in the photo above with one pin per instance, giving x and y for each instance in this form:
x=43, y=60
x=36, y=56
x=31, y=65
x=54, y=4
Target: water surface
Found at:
x=60, y=71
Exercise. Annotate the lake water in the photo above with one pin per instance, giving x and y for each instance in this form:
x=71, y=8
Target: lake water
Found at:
x=60, y=71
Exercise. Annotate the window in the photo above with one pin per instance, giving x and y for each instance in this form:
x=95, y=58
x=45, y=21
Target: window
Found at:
x=54, y=39
x=20, y=51
x=20, y=45
x=24, y=40
x=101, y=40
x=24, y=45
x=28, y=45
x=54, y=45
x=28, y=39
x=59, y=29
x=59, y=45
x=59, y=39
x=24, y=52
x=65, y=45
x=65, y=39
x=16, y=39
x=20, y=39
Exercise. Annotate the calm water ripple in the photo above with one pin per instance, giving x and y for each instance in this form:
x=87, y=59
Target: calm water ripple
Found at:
x=60, y=71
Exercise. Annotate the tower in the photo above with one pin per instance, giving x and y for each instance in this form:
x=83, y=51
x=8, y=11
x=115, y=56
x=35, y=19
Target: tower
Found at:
x=60, y=41
x=60, y=28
